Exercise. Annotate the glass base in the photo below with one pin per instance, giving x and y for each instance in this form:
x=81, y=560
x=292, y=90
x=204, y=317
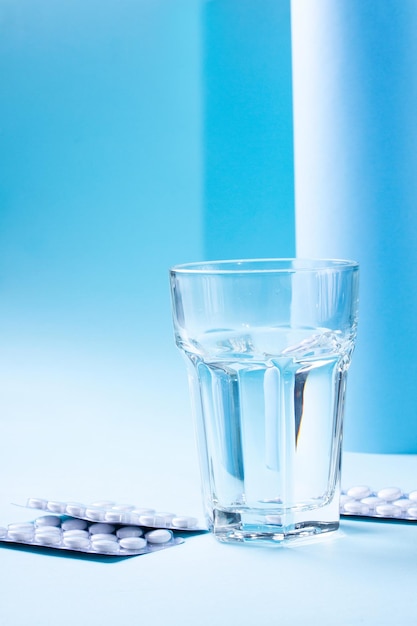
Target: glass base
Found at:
x=237, y=527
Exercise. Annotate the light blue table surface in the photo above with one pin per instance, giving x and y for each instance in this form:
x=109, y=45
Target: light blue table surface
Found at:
x=366, y=574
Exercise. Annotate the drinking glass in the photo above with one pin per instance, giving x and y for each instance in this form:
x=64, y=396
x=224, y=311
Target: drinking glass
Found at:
x=268, y=343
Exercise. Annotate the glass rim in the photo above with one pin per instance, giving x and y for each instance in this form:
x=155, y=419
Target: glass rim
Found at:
x=271, y=265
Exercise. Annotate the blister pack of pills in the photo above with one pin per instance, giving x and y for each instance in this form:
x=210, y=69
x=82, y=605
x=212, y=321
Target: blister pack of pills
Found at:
x=101, y=528
x=117, y=513
x=390, y=503
x=78, y=535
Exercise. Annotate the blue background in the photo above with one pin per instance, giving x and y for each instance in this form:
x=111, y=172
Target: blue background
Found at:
x=355, y=120
x=133, y=136
x=125, y=149
x=100, y=165
x=129, y=141
x=248, y=130
x=101, y=191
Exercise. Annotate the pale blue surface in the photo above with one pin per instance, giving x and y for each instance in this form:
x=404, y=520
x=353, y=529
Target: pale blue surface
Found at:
x=366, y=574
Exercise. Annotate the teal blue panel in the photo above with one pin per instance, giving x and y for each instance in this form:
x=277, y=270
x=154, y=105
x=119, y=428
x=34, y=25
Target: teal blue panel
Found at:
x=248, y=132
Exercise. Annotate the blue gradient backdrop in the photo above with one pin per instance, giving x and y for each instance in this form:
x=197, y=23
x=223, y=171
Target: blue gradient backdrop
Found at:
x=133, y=135
x=248, y=130
x=105, y=183
x=100, y=161
x=100, y=192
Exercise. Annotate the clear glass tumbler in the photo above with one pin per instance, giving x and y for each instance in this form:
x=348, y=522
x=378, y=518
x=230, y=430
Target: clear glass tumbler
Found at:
x=268, y=343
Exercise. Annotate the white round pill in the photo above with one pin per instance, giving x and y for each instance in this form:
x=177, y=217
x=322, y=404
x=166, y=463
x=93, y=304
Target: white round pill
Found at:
x=132, y=543
x=163, y=519
x=403, y=503
x=75, y=542
x=48, y=538
x=105, y=546
x=117, y=517
x=23, y=531
x=56, y=507
x=389, y=494
x=74, y=524
x=412, y=512
x=36, y=503
x=103, y=536
x=413, y=495
x=159, y=536
x=129, y=531
x=143, y=511
x=185, y=522
x=133, y=519
x=146, y=520
x=345, y=498
x=356, y=508
x=48, y=529
x=48, y=520
x=21, y=535
x=96, y=515
x=359, y=491
x=75, y=508
x=372, y=501
x=101, y=528
x=388, y=510
x=76, y=532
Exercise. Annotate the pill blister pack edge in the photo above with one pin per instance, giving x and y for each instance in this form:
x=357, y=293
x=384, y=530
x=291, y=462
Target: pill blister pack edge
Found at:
x=55, y=532
x=387, y=503
x=113, y=512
